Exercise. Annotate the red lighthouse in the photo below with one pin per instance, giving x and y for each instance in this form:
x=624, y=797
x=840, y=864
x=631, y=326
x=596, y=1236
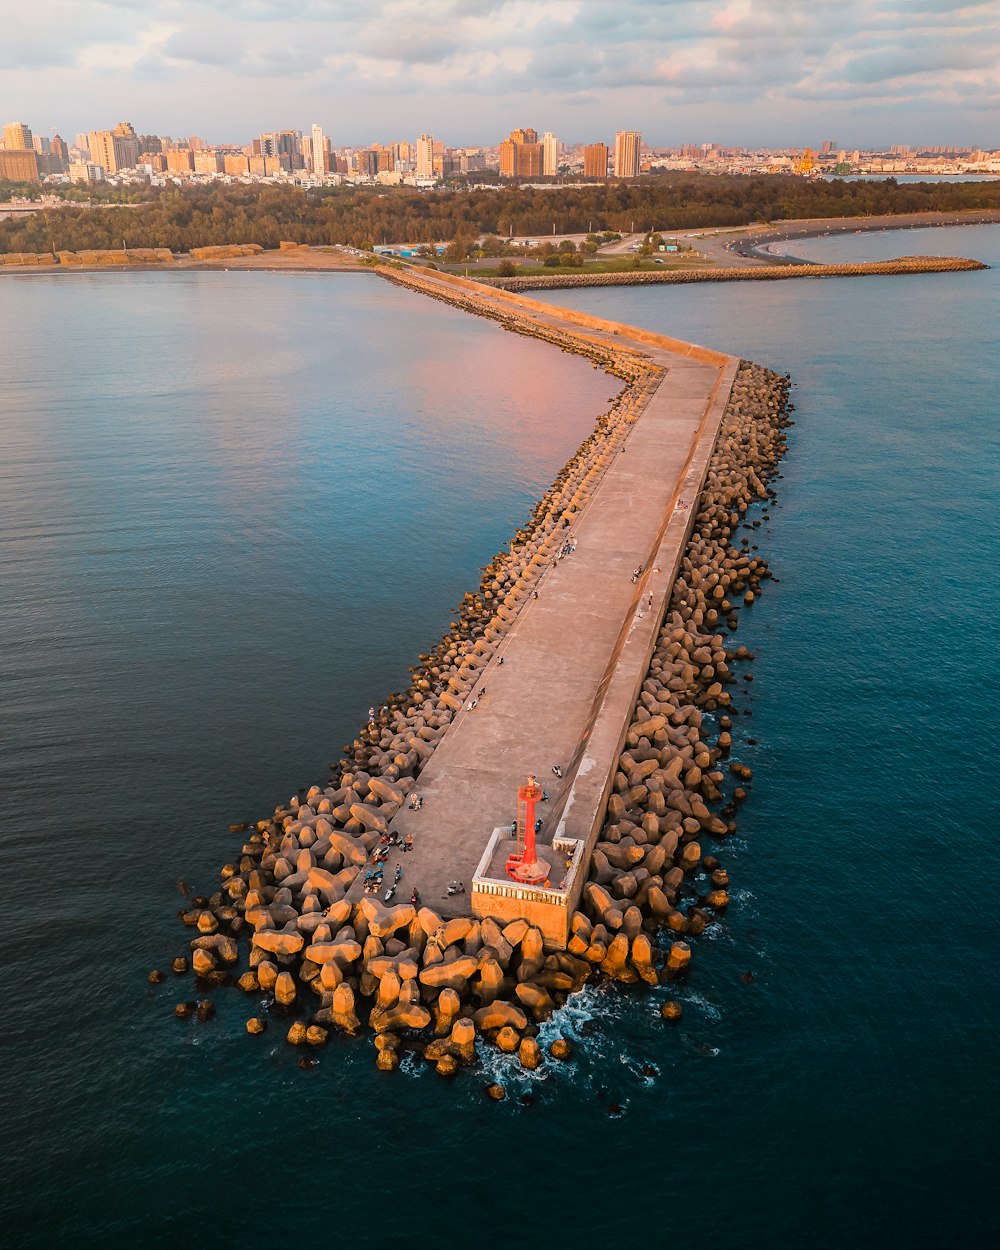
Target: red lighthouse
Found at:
x=523, y=865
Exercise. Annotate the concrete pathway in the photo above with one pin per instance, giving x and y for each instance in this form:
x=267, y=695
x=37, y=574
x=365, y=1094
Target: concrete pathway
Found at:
x=566, y=647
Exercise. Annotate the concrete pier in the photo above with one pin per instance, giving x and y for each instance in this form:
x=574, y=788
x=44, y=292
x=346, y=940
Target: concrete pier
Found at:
x=562, y=687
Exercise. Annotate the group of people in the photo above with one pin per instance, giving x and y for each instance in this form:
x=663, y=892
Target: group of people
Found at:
x=638, y=572
x=567, y=549
x=416, y=802
x=374, y=878
x=392, y=839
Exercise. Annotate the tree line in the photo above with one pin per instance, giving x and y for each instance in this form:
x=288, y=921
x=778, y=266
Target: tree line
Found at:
x=364, y=216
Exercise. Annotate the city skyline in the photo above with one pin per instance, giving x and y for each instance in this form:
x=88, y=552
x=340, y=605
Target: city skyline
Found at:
x=743, y=72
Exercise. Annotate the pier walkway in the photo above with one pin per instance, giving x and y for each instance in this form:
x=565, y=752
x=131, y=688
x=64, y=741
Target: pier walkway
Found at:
x=576, y=656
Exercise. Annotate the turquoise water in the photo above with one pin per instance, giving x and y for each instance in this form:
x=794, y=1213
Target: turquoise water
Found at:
x=233, y=509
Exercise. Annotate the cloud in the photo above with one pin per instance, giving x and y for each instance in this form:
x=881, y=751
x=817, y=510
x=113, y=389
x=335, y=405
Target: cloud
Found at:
x=471, y=66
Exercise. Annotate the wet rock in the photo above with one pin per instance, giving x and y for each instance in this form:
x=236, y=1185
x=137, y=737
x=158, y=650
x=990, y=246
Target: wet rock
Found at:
x=278, y=942
x=499, y=1014
x=529, y=1054
x=284, y=989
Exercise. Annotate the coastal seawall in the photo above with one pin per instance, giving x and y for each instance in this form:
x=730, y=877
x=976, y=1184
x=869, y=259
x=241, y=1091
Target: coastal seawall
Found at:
x=888, y=268
x=642, y=789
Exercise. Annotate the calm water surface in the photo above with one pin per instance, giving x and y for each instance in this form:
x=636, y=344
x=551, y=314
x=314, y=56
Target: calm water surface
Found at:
x=233, y=508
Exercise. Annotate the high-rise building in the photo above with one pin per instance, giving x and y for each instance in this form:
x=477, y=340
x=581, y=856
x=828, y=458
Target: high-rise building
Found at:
x=425, y=156
x=595, y=160
x=17, y=137
x=19, y=164
x=627, y=144
x=521, y=155
x=319, y=165
x=366, y=162
x=207, y=162
x=550, y=154
x=129, y=144
x=116, y=149
x=180, y=160
x=59, y=149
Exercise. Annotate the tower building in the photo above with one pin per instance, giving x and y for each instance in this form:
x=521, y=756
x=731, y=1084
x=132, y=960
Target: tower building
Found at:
x=627, y=144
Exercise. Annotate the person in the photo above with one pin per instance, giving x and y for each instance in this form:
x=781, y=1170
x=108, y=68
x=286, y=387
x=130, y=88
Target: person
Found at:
x=557, y=770
x=409, y=842
x=371, y=713
x=500, y=661
x=472, y=704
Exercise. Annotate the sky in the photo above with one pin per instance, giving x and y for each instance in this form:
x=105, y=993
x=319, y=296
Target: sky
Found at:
x=866, y=73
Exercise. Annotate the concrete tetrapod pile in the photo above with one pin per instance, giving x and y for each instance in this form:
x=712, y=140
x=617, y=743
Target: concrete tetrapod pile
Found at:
x=417, y=979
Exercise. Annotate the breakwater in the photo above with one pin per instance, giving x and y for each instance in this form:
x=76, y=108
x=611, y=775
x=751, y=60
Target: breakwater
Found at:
x=410, y=968
x=903, y=265
x=132, y=257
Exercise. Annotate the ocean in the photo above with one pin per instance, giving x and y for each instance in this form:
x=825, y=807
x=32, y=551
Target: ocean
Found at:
x=234, y=508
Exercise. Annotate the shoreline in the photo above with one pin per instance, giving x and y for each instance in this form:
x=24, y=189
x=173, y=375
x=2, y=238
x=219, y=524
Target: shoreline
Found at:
x=745, y=241
x=747, y=244
x=434, y=983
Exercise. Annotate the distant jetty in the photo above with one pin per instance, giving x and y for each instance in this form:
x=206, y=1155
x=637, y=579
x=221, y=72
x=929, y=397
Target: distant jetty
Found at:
x=903, y=265
x=487, y=959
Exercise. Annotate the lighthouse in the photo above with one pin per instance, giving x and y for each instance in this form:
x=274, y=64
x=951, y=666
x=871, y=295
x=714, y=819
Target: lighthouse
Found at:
x=524, y=865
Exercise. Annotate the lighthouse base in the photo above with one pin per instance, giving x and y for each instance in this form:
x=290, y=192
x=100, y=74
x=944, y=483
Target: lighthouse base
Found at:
x=536, y=873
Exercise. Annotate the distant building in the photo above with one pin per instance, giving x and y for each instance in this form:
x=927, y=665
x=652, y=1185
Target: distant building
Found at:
x=180, y=160
x=114, y=150
x=366, y=162
x=550, y=154
x=521, y=155
x=19, y=165
x=84, y=171
x=17, y=137
x=236, y=163
x=207, y=162
x=319, y=165
x=425, y=156
x=595, y=160
x=627, y=144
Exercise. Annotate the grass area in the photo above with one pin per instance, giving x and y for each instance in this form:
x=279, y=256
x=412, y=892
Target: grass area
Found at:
x=616, y=264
